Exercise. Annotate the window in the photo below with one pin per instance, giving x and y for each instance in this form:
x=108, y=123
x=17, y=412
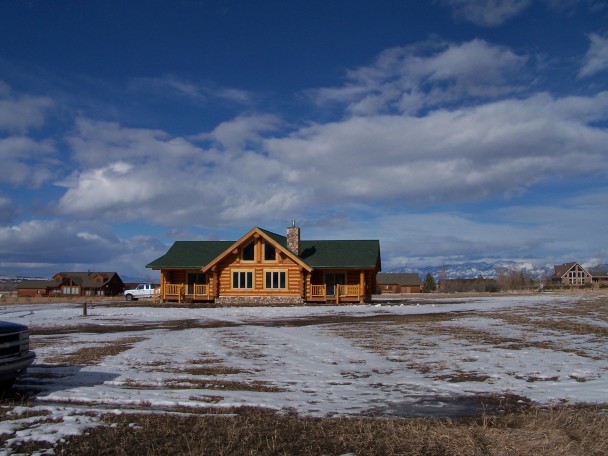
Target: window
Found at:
x=270, y=253
x=275, y=279
x=242, y=279
x=249, y=252
x=66, y=290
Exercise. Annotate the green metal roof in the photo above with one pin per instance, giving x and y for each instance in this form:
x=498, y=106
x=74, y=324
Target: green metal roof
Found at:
x=190, y=254
x=341, y=254
x=317, y=254
x=281, y=240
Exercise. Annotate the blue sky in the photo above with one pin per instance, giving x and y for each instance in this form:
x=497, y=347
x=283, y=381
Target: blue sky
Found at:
x=451, y=130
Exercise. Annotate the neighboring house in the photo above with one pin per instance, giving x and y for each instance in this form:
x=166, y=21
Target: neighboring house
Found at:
x=67, y=284
x=599, y=277
x=266, y=268
x=391, y=282
x=573, y=274
x=34, y=288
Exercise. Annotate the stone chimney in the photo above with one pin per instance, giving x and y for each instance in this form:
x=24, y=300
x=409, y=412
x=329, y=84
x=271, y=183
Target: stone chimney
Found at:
x=293, y=238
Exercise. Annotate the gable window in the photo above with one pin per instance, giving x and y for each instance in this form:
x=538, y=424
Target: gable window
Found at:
x=275, y=279
x=249, y=252
x=270, y=253
x=242, y=279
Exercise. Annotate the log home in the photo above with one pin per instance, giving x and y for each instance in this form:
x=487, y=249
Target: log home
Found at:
x=266, y=268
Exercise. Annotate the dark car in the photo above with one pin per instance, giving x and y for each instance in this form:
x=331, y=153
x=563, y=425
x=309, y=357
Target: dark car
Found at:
x=15, y=354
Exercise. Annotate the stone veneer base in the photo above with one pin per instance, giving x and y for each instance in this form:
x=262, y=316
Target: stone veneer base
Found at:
x=258, y=300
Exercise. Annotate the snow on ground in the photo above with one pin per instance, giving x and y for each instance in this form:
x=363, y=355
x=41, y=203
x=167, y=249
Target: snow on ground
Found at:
x=417, y=357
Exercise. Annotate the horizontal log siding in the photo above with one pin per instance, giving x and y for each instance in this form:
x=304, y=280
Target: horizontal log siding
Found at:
x=294, y=278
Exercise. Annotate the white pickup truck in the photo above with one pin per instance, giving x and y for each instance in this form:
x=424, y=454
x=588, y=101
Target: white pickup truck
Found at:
x=143, y=290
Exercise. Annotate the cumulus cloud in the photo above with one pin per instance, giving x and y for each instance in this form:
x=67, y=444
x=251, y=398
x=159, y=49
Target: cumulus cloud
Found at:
x=251, y=171
x=96, y=143
x=489, y=150
x=242, y=132
x=54, y=245
x=18, y=114
x=421, y=76
x=425, y=124
x=487, y=13
x=131, y=174
x=27, y=161
x=596, y=59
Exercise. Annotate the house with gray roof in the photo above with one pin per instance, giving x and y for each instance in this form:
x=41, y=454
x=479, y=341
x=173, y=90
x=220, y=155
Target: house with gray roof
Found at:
x=393, y=282
x=575, y=275
x=73, y=284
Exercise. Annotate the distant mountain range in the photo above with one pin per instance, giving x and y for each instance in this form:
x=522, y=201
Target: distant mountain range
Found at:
x=469, y=270
x=472, y=270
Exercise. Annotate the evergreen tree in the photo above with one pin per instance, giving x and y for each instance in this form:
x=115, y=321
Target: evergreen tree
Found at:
x=429, y=285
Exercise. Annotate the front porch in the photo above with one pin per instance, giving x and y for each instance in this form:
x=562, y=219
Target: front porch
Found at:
x=337, y=293
x=183, y=293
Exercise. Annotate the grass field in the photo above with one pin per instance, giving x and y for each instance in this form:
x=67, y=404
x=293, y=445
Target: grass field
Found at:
x=458, y=375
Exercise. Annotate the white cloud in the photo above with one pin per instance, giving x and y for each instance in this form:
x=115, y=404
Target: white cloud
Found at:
x=44, y=247
x=596, y=59
x=95, y=144
x=26, y=161
x=468, y=153
x=487, y=13
x=421, y=76
x=253, y=171
x=21, y=113
x=174, y=87
x=242, y=132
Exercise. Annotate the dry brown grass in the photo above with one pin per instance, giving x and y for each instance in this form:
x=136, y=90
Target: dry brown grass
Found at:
x=89, y=356
x=558, y=431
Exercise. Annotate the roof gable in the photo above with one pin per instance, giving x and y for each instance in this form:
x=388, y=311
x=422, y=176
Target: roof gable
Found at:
x=562, y=269
x=279, y=242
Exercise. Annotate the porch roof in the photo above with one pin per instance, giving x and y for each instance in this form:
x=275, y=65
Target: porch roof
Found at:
x=341, y=254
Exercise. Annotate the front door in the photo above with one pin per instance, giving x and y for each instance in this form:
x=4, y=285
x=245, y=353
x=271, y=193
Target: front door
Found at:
x=195, y=278
x=332, y=279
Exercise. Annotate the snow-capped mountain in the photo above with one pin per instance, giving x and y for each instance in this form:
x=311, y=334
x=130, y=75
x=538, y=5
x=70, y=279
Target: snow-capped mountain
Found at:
x=487, y=270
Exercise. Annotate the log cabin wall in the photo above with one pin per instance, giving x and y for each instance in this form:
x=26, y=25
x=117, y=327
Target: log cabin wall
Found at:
x=294, y=278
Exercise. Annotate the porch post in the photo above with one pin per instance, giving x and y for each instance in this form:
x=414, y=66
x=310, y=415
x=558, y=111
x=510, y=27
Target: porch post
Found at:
x=362, y=286
x=162, y=284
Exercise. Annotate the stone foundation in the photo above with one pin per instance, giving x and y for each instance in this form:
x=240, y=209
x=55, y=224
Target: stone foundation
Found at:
x=258, y=301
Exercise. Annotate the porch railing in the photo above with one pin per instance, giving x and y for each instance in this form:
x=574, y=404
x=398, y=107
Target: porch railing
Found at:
x=179, y=291
x=341, y=292
x=174, y=290
x=347, y=291
x=318, y=291
x=200, y=291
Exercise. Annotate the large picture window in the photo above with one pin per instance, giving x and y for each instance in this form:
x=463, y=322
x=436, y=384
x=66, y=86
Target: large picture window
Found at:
x=242, y=279
x=275, y=279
